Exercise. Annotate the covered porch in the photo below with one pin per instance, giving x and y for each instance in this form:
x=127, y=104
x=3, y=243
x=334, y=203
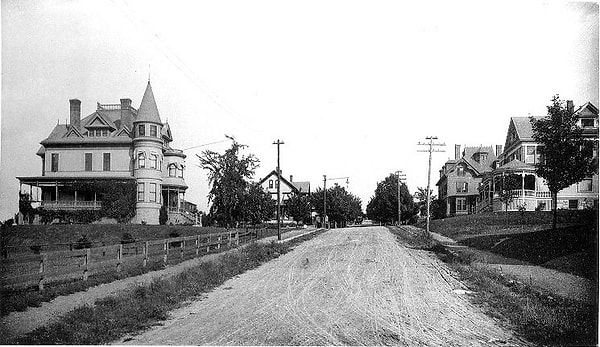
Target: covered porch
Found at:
x=528, y=191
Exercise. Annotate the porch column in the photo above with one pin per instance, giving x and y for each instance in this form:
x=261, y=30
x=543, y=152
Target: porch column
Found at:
x=94, y=199
x=56, y=191
x=523, y=187
x=75, y=197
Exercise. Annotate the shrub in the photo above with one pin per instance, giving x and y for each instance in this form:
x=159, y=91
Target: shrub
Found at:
x=127, y=238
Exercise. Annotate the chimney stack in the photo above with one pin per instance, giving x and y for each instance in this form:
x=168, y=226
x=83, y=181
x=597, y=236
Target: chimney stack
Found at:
x=291, y=178
x=126, y=115
x=457, y=152
x=570, y=106
x=498, y=150
x=75, y=112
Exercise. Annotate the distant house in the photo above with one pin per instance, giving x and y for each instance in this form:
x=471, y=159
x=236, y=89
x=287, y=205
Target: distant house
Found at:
x=520, y=155
x=288, y=187
x=460, y=178
x=116, y=142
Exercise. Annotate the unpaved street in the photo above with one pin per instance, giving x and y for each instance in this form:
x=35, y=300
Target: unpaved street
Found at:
x=352, y=286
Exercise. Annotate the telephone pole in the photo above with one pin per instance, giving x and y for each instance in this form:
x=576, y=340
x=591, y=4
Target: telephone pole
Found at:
x=430, y=144
x=401, y=177
x=324, y=201
x=278, y=191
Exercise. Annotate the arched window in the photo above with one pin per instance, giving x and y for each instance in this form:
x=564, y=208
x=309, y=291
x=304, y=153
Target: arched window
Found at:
x=141, y=160
x=172, y=170
x=180, y=171
x=153, y=161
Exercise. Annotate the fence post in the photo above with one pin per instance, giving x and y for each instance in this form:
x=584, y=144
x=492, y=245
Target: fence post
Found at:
x=145, y=262
x=237, y=238
x=42, y=271
x=86, y=263
x=182, y=250
x=166, y=252
x=197, y=244
x=119, y=257
x=229, y=240
x=208, y=244
x=219, y=242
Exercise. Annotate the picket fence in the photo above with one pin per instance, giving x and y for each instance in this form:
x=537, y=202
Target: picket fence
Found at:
x=20, y=270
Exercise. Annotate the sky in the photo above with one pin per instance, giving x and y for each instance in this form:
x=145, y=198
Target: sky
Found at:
x=350, y=87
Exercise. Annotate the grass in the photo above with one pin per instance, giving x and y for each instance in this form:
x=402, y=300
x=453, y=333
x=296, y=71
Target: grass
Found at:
x=134, y=310
x=492, y=222
x=536, y=316
x=544, y=247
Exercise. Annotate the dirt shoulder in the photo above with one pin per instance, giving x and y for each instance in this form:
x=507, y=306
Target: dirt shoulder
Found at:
x=346, y=287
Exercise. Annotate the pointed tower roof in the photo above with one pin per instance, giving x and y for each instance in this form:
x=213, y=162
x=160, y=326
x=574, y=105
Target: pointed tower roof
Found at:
x=148, y=111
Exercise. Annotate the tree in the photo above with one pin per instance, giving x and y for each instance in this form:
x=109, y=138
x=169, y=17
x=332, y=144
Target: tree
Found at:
x=342, y=206
x=421, y=196
x=383, y=206
x=437, y=208
x=567, y=157
x=507, y=190
x=228, y=176
x=163, y=215
x=299, y=207
x=258, y=206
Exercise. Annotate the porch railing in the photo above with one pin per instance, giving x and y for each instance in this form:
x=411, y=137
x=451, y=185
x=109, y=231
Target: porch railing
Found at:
x=72, y=205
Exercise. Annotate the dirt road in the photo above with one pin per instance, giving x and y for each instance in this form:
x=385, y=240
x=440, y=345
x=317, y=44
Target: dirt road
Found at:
x=352, y=286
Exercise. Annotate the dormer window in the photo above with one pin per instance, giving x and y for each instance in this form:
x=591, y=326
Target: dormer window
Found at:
x=482, y=157
x=172, y=170
x=98, y=133
x=460, y=171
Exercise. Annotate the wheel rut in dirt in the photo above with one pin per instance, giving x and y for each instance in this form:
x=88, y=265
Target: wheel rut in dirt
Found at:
x=353, y=286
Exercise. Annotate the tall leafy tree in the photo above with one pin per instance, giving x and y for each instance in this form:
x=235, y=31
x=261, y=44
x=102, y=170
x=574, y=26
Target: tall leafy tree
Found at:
x=257, y=205
x=421, y=196
x=342, y=206
x=299, y=207
x=228, y=176
x=383, y=206
x=567, y=157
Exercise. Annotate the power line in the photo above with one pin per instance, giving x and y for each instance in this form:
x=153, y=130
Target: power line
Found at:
x=178, y=63
x=431, y=149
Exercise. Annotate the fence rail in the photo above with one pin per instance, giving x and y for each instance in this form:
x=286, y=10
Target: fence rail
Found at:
x=27, y=269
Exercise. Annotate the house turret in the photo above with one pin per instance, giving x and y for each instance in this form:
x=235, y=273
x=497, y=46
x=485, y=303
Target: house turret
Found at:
x=148, y=159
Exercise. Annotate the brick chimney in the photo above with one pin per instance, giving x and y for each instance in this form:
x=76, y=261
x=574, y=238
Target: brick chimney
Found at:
x=498, y=150
x=291, y=178
x=457, y=152
x=126, y=115
x=75, y=112
x=570, y=106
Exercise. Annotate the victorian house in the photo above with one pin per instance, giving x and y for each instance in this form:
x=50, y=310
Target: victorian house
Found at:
x=288, y=187
x=460, y=178
x=520, y=155
x=115, y=142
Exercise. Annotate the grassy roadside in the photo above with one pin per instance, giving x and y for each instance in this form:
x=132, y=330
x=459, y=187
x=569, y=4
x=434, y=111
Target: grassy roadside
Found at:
x=536, y=316
x=143, y=306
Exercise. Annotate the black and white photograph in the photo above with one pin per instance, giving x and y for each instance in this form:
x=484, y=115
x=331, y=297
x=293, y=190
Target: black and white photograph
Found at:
x=313, y=173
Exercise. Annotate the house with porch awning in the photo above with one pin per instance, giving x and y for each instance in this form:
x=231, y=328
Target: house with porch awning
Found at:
x=116, y=144
x=521, y=154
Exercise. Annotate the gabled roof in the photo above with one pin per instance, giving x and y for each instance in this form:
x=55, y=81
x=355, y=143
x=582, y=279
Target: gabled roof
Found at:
x=303, y=187
x=588, y=109
x=72, y=132
x=486, y=165
x=148, y=112
x=283, y=180
x=99, y=119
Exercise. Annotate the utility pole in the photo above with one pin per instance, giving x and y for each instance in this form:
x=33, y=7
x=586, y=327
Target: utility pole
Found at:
x=401, y=177
x=278, y=191
x=430, y=144
x=324, y=200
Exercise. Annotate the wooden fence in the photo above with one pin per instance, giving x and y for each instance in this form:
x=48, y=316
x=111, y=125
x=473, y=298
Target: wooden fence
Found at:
x=19, y=270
